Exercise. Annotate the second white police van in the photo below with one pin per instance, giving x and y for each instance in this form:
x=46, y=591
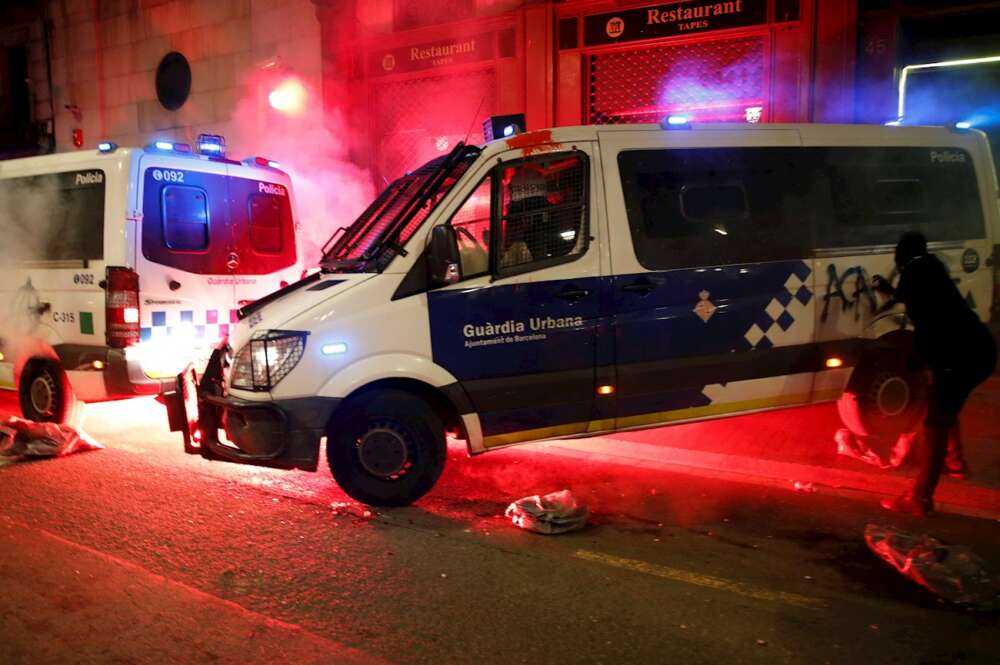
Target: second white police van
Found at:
x=583, y=280
x=120, y=266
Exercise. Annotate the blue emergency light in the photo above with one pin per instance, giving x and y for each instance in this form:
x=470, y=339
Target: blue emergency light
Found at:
x=211, y=144
x=106, y=146
x=164, y=145
x=964, y=124
x=676, y=122
x=170, y=146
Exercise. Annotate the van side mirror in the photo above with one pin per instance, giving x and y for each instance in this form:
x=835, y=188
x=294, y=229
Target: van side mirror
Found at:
x=443, y=260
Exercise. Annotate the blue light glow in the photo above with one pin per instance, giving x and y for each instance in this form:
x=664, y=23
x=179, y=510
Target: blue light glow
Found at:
x=677, y=120
x=273, y=164
x=964, y=124
x=509, y=130
x=334, y=349
x=106, y=146
x=209, y=147
x=164, y=145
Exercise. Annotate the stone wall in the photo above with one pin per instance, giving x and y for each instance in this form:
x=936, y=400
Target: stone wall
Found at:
x=105, y=54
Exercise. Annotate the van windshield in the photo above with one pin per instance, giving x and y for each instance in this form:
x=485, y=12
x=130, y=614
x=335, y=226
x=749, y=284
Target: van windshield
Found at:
x=371, y=242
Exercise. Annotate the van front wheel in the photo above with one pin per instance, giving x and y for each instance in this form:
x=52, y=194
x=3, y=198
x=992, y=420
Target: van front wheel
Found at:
x=45, y=394
x=386, y=448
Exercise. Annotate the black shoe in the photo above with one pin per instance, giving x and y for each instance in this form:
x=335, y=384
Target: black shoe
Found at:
x=910, y=504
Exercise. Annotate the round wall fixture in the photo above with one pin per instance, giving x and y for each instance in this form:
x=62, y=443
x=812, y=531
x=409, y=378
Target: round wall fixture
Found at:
x=173, y=81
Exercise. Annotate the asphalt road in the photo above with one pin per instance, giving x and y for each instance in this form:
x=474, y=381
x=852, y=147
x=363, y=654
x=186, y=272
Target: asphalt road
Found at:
x=140, y=554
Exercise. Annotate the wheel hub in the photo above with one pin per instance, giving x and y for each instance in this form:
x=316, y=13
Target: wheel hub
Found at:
x=43, y=390
x=384, y=452
x=892, y=395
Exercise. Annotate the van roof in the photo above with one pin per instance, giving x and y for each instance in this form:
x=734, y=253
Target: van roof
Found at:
x=810, y=132
x=69, y=159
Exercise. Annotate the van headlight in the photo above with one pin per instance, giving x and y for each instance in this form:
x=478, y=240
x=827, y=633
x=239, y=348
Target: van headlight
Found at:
x=267, y=358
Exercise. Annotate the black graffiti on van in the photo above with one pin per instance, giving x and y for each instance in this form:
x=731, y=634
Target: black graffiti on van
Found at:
x=89, y=178
x=851, y=300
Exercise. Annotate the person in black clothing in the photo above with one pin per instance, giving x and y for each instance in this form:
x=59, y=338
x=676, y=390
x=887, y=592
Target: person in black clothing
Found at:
x=952, y=343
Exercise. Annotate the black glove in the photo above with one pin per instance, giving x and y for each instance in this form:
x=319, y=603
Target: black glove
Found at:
x=882, y=285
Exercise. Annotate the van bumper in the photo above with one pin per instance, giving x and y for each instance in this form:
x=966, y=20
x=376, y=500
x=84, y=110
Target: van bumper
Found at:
x=120, y=376
x=282, y=434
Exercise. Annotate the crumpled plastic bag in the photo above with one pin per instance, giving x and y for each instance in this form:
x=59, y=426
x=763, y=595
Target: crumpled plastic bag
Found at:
x=553, y=513
x=853, y=446
x=26, y=439
x=952, y=572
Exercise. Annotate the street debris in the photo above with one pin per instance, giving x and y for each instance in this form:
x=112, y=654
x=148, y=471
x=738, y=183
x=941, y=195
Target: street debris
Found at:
x=553, y=513
x=351, y=508
x=22, y=439
x=952, y=572
x=864, y=449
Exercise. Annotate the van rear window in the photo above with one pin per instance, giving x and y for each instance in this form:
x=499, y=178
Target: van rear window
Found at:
x=185, y=218
x=53, y=217
x=265, y=223
x=195, y=226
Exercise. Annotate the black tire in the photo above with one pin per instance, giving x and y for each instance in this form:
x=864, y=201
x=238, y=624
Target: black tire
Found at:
x=45, y=394
x=386, y=448
x=884, y=398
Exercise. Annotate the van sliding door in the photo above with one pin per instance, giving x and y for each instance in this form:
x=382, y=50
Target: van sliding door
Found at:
x=713, y=294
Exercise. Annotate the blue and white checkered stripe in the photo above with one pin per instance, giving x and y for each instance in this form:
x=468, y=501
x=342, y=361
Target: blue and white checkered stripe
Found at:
x=786, y=319
x=208, y=324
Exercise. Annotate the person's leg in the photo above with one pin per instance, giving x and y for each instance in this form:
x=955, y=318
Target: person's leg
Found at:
x=954, y=461
x=944, y=401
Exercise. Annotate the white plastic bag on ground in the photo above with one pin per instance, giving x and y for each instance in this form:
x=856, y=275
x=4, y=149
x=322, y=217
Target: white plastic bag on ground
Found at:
x=26, y=439
x=553, y=513
x=864, y=450
x=952, y=572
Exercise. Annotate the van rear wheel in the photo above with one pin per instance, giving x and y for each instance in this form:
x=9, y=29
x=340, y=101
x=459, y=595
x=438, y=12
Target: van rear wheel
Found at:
x=884, y=398
x=386, y=448
x=45, y=394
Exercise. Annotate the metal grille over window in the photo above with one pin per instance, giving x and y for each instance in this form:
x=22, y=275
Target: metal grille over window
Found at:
x=420, y=119
x=472, y=228
x=543, y=211
x=715, y=81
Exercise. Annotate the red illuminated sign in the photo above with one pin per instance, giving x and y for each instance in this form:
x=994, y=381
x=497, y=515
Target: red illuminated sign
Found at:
x=669, y=20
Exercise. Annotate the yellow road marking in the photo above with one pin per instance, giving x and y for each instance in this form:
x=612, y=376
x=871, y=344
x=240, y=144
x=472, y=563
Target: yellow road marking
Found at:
x=707, y=581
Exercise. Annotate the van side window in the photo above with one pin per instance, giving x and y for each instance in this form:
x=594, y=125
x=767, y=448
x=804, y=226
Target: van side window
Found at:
x=264, y=211
x=714, y=206
x=185, y=218
x=875, y=194
x=543, y=212
x=53, y=217
x=472, y=227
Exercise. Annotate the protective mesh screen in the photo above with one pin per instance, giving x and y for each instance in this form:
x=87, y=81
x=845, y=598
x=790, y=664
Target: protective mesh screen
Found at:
x=716, y=80
x=543, y=210
x=419, y=119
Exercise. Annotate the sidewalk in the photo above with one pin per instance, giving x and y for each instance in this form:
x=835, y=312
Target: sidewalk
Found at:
x=795, y=447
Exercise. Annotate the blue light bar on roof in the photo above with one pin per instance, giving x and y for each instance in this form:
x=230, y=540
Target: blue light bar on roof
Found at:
x=211, y=144
x=106, y=146
x=164, y=145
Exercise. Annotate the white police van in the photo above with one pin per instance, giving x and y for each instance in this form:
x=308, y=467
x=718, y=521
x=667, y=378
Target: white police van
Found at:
x=122, y=266
x=583, y=280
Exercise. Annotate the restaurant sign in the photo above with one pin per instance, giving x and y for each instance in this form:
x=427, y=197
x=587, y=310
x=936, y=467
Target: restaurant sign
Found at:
x=670, y=20
x=430, y=55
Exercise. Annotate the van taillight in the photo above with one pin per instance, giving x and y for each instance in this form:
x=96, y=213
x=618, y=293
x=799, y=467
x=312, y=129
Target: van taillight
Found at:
x=122, y=307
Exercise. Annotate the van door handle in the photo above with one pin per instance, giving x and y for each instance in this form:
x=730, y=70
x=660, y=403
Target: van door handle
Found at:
x=573, y=294
x=642, y=287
